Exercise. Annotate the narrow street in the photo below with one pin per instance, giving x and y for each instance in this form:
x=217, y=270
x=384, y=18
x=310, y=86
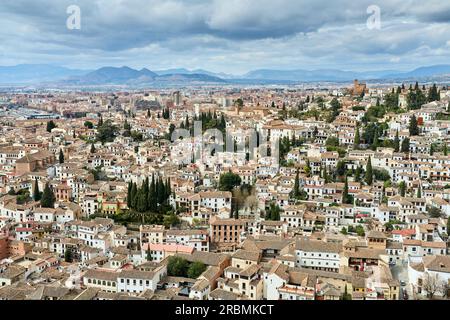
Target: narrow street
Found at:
x=400, y=272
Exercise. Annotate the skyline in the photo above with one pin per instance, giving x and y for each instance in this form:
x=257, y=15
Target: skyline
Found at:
x=230, y=37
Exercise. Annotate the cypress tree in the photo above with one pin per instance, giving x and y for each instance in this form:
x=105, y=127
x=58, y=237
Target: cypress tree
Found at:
x=168, y=189
x=36, y=192
x=433, y=94
x=134, y=192
x=50, y=125
x=130, y=186
x=402, y=188
x=152, y=195
x=419, y=192
x=92, y=148
x=345, y=195
x=141, y=201
x=397, y=143
x=413, y=126
x=375, y=141
x=48, y=198
x=61, y=156
x=68, y=255
x=369, y=173
x=308, y=168
x=326, y=177
x=297, y=186
x=358, y=174
x=405, y=145
x=160, y=191
x=445, y=150
x=146, y=194
x=357, y=137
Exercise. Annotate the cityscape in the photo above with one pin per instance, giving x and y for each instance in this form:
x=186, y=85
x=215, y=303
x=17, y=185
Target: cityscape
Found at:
x=211, y=171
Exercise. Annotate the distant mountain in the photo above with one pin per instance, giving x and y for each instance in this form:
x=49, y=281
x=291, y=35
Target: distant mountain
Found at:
x=422, y=72
x=30, y=73
x=197, y=71
x=340, y=75
x=194, y=77
x=129, y=76
x=111, y=75
x=49, y=75
x=313, y=75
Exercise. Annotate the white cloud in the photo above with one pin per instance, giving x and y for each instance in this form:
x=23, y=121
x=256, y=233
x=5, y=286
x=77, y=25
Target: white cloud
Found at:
x=226, y=35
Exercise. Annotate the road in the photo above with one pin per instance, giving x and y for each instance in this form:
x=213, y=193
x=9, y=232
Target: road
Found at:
x=400, y=272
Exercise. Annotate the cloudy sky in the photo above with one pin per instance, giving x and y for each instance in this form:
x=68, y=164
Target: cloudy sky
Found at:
x=232, y=36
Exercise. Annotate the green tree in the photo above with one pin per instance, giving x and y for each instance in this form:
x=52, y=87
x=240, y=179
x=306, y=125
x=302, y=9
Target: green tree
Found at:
x=171, y=220
x=50, y=126
x=100, y=121
x=405, y=145
x=152, y=196
x=106, y=132
x=341, y=168
x=335, y=109
x=413, y=126
x=141, y=201
x=134, y=193
x=196, y=269
x=307, y=168
x=381, y=174
x=325, y=176
x=36, y=192
x=434, y=212
x=68, y=256
x=332, y=142
x=228, y=181
x=419, y=192
x=61, y=156
x=346, y=197
x=92, y=148
x=177, y=266
x=396, y=143
x=360, y=231
x=433, y=94
x=402, y=188
x=357, y=137
x=273, y=214
x=130, y=186
x=416, y=98
x=375, y=142
x=358, y=173
x=369, y=173
x=89, y=124
x=48, y=197
x=296, y=186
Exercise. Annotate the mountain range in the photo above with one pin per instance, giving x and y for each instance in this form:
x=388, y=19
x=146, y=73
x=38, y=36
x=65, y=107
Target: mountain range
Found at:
x=54, y=75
